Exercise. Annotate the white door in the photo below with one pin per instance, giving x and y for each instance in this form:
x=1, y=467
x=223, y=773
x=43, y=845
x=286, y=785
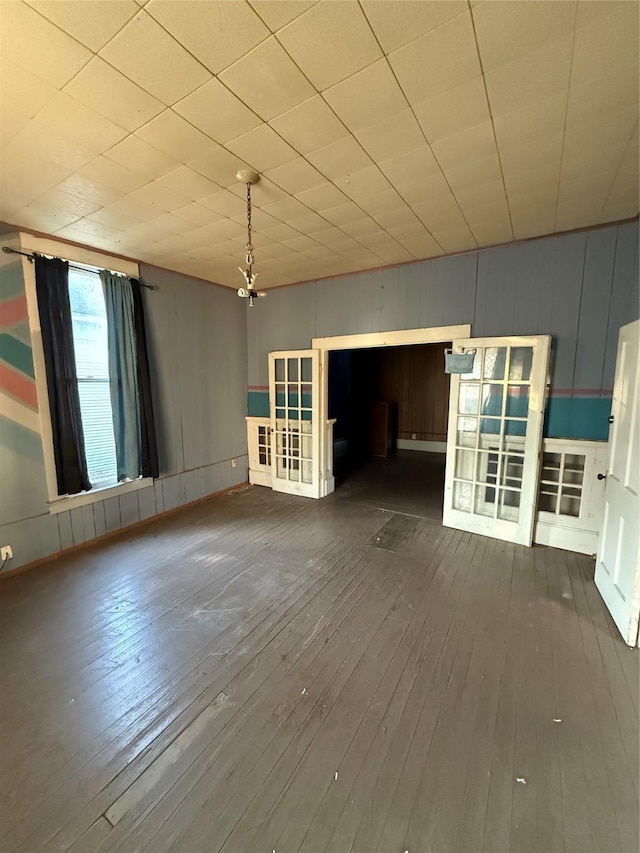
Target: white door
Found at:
x=294, y=398
x=617, y=564
x=494, y=438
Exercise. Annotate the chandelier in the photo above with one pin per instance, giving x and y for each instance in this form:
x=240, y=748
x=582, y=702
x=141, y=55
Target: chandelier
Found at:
x=249, y=292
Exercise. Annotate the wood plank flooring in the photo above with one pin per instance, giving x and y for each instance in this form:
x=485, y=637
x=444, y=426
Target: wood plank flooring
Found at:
x=262, y=672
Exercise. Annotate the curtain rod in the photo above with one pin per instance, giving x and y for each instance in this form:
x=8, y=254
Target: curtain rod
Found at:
x=32, y=258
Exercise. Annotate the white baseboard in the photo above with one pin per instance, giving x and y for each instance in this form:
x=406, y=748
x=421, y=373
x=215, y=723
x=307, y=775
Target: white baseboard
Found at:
x=424, y=446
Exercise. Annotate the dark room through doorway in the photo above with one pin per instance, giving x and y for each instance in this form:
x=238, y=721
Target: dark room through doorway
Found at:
x=391, y=408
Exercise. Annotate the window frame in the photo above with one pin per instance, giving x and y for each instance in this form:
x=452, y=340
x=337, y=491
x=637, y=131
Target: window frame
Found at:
x=86, y=257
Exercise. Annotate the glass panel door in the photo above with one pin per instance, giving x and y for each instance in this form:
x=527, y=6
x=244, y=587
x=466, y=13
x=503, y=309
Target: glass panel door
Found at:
x=293, y=394
x=495, y=431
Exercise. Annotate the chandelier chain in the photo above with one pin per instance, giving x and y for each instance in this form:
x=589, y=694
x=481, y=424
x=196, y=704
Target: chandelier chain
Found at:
x=249, y=244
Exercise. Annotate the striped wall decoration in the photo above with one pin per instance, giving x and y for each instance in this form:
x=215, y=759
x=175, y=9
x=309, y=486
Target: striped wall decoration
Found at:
x=18, y=395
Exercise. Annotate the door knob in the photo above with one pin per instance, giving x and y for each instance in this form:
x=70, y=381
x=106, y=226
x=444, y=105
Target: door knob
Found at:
x=611, y=419
x=602, y=476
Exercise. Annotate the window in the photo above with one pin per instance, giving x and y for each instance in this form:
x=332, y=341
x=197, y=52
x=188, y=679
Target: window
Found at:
x=85, y=320
x=89, y=319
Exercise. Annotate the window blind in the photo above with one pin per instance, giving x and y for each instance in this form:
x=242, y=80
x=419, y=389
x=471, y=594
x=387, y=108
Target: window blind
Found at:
x=90, y=342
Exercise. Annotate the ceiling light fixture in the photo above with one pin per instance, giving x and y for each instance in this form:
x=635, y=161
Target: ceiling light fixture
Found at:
x=249, y=292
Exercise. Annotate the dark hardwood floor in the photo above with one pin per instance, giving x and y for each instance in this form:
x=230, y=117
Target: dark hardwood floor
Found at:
x=408, y=481
x=262, y=672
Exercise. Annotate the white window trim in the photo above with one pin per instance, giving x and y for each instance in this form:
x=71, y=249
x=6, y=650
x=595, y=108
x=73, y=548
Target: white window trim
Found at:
x=62, y=504
x=75, y=254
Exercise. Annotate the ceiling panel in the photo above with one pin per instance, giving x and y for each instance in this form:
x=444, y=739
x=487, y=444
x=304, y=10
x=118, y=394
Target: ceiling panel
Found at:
x=602, y=96
x=22, y=93
x=384, y=131
x=330, y=42
x=146, y=53
x=113, y=174
x=533, y=77
x=216, y=111
x=38, y=46
x=454, y=111
x=605, y=42
x=188, y=183
x=506, y=32
x=219, y=165
x=170, y=133
x=296, y=176
x=277, y=13
x=439, y=61
x=411, y=167
x=136, y=154
x=473, y=143
x=262, y=148
x=322, y=197
x=119, y=100
x=267, y=80
x=340, y=158
x=310, y=126
x=90, y=23
x=542, y=118
x=209, y=30
x=392, y=137
x=396, y=24
x=37, y=145
x=367, y=97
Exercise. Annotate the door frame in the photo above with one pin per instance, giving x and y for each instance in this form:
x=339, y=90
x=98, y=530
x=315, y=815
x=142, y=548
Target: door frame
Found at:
x=369, y=340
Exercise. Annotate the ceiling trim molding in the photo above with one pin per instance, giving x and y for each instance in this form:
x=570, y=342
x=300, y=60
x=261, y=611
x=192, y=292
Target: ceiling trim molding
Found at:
x=6, y=228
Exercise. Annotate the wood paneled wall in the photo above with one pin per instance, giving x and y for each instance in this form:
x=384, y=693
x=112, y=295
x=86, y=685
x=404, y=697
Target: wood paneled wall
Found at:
x=413, y=379
x=578, y=287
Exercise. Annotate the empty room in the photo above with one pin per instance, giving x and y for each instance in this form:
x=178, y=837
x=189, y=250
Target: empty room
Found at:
x=319, y=426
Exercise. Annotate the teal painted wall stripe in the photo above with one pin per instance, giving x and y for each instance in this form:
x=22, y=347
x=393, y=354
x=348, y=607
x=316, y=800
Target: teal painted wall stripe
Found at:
x=17, y=354
x=585, y=418
x=258, y=404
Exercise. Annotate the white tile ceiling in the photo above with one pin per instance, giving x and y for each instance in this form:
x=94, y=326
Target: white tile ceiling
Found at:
x=384, y=130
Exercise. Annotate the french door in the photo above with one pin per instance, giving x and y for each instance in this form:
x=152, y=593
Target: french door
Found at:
x=294, y=398
x=494, y=437
x=617, y=573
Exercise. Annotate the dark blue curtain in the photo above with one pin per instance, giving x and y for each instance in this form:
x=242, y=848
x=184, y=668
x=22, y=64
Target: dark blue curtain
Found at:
x=52, y=288
x=148, y=445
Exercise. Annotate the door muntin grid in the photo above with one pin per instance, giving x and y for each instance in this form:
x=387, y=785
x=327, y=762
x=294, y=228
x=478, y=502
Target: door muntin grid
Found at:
x=264, y=445
x=561, y=483
x=491, y=428
x=293, y=445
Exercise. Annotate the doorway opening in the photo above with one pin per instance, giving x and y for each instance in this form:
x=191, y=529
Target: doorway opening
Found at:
x=390, y=406
x=494, y=435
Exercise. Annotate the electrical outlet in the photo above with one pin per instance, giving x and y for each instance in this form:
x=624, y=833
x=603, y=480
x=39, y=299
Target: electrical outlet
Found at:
x=234, y=463
x=414, y=436
x=6, y=553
